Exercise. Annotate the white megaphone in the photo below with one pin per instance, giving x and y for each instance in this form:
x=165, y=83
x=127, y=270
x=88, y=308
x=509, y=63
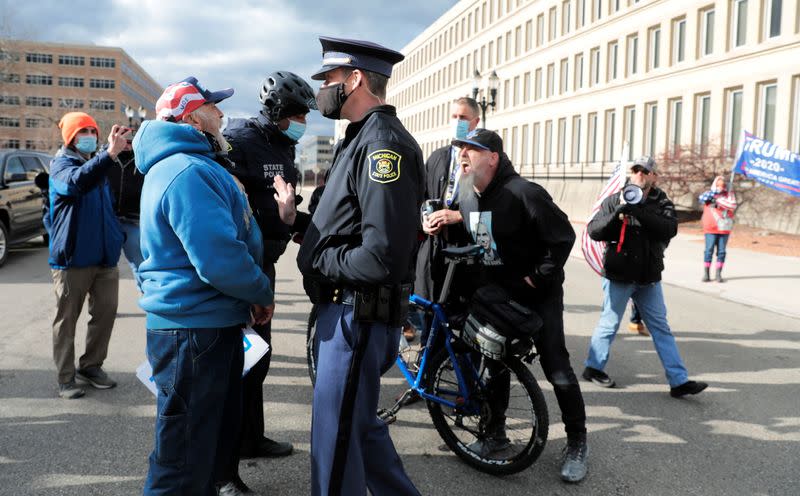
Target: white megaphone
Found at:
x=632, y=194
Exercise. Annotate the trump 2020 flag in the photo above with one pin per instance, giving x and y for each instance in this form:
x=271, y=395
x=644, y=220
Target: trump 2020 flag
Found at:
x=593, y=251
x=768, y=163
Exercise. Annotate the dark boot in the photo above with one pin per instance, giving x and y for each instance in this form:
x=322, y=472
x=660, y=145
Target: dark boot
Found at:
x=706, y=276
x=719, y=275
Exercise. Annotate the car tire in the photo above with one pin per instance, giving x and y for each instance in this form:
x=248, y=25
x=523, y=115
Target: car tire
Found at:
x=4, y=242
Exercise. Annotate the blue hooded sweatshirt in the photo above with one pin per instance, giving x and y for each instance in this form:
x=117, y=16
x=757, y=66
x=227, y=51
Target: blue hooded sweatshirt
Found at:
x=200, y=243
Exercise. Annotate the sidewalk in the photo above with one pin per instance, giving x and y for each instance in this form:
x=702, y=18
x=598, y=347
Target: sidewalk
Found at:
x=756, y=279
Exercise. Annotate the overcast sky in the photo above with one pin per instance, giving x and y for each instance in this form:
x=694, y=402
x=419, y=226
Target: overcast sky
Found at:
x=230, y=43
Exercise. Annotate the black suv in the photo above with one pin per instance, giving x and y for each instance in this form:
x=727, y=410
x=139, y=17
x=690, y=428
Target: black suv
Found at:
x=20, y=198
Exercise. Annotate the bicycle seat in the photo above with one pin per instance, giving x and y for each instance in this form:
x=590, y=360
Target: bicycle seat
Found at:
x=461, y=252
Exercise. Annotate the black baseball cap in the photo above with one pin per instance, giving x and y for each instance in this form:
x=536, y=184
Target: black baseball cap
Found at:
x=482, y=138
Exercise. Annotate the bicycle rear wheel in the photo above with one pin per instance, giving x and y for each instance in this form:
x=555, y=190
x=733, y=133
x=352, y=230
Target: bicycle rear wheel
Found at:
x=485, y=431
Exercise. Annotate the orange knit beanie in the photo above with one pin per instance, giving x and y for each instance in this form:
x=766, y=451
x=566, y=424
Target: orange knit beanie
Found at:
x=73, y=122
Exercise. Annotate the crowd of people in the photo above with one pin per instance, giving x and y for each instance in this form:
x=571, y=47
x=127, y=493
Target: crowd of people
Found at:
x=182, y=196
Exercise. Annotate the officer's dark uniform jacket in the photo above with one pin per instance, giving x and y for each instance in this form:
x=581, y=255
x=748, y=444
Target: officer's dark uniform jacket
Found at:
x=652, y=224
x=430, y=265
x=260, y=151
x=533, y=236
x=364, y=230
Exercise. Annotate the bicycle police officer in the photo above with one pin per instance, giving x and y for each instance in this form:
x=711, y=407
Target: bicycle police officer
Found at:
x=357, y=259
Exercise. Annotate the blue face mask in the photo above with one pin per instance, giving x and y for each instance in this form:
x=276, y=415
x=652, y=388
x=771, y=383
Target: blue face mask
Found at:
x=295, y=131
x=86, y=144
x=461, y=128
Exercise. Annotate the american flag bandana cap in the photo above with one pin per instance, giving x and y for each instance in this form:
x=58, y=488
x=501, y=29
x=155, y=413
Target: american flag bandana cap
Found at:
x=183, y=98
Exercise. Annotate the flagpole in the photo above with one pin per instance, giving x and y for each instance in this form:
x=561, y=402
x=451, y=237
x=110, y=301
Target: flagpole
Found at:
x=739, y=147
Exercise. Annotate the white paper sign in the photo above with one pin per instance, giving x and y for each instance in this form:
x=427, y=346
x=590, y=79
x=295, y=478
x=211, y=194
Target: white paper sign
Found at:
x=254, y=348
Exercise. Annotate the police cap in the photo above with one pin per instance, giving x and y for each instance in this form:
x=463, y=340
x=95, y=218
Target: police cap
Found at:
x=356, y=54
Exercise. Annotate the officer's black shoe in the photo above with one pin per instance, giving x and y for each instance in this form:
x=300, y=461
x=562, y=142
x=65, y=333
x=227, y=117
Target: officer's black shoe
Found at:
x=598, y=377
x=689, y=387
x=267, y=448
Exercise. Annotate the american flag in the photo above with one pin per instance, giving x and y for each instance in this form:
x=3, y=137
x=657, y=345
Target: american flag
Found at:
x=593, y=251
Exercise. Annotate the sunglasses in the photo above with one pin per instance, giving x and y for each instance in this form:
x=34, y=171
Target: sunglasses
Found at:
x=638, y=168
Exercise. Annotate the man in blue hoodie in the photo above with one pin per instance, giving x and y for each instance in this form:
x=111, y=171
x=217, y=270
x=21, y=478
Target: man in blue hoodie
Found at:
x=201, y=283
x=85, y=243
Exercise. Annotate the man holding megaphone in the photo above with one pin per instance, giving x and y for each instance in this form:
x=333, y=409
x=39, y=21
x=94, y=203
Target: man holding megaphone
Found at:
x=637, y=225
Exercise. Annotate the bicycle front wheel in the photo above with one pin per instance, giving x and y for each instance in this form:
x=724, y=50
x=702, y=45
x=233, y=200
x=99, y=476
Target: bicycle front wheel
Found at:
x=500, y=427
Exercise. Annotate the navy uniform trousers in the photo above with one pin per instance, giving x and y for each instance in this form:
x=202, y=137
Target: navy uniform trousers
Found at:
x=350, y=446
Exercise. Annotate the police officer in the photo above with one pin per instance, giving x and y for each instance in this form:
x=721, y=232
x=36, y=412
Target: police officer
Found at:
x=357, y=259
x=260, y=149
x=530, y=239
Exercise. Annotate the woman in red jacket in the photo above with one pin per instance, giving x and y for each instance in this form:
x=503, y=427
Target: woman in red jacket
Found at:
x=719, y=206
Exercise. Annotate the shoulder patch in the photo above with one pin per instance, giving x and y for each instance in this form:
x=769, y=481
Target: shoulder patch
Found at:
x=384, y=166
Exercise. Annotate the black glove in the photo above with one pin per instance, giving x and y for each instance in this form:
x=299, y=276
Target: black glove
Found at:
x=622, y=208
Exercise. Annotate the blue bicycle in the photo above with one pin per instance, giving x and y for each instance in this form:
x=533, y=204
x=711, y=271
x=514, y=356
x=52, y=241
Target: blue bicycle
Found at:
x=488, y=409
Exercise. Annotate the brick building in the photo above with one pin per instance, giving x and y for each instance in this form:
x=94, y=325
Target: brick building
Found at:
x=40, y=82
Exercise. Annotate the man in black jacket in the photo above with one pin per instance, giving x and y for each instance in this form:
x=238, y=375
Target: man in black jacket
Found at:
x=261, y=149
x=530, y=239
x=126, y=187
x=637, y=235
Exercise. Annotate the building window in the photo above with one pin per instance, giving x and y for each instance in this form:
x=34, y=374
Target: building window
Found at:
x=766, y=111
x=597, y=14
x=528, y=35
x=707, y=32
x=580, y=13
x=651, y=114
x=654, y=50
x=513, y=145
x=772, y=18
x=566, y=16
x=613, y=6
x=548, y=142
x=563, y=81
x=106, y=84
x=10, y=143
x=678, y=40
x=9, y=122
x=523, y=153
x=552, y=18
x=39, y=79
x=38, y=101
x=70, y=103
x=702, y=123
x=539, y=30
x=38, y=58
x=613, y=52
x=578, y=83
x=609, y=141
x=562, y=141
x=102, y=62
x=795, y=138
x=551, y=69
x=675, y=121
x=537, y=92
x=6, y=77
x=738, y=23
x=535, y=143
x=101, y=104
x=506, y=87
x=72, y=82
x=526, y=87
x=576, y=139
x=633, y=55
x=34, y=123
x=591, y=150
x=594, y=66
x=9, y=100
x=71, y=60
x=630, y=130
x=516, y=92
x=733, y=119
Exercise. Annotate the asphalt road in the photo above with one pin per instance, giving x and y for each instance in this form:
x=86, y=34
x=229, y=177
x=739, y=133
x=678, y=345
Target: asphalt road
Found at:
x=741, y=436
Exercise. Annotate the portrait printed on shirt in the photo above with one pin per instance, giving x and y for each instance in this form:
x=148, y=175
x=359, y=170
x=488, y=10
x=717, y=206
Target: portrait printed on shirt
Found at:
x=480, y=226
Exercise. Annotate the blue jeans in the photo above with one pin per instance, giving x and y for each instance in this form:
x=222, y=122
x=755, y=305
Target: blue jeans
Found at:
x=650, y=300
x=718, y=241
x=198, y=374
x=131, y=249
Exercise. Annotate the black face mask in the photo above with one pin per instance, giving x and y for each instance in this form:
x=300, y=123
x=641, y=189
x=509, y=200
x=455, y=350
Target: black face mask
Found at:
x=330, y=100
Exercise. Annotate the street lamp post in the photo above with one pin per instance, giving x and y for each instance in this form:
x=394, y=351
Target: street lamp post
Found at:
x=129, y=112
x=140, y=113
x=493, y=82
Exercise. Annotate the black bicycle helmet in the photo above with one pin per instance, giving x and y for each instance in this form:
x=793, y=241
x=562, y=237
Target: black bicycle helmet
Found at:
x=284, y=94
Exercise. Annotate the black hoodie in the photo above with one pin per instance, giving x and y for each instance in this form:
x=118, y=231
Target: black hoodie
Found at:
x=529, y=234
